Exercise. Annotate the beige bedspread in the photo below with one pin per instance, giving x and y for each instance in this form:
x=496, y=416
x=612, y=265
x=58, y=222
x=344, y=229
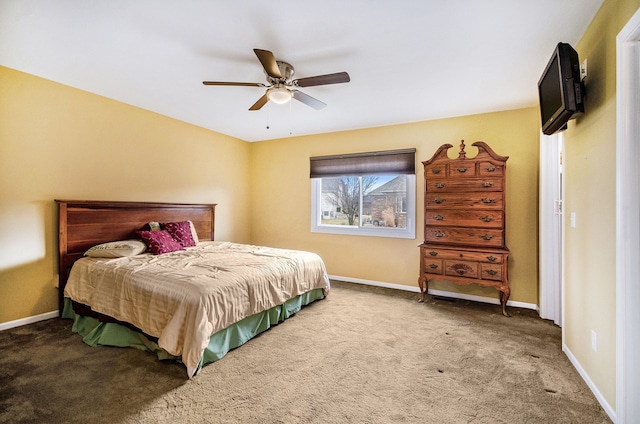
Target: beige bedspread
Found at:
x=182, y=298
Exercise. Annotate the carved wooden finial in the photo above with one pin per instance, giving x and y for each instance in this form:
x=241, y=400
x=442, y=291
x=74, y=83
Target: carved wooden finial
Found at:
x=462, y=153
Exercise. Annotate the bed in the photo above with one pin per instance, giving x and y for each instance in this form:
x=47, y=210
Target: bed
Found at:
x=193, y=303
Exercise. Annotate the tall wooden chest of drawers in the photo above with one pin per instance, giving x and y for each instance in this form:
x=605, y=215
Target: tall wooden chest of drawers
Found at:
x=464, y=220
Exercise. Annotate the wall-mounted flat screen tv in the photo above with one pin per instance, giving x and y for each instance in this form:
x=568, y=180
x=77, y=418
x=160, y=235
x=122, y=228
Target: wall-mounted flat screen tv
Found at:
x=560, y=90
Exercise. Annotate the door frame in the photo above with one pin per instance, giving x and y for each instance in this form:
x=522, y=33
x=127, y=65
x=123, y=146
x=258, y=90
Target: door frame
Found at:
x=628, y=221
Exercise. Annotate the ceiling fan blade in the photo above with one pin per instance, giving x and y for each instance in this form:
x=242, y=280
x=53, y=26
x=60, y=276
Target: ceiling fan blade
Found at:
x=308, y=100
x=261, y=102
x=268, y=63
x=336, y=78
x=241, y=84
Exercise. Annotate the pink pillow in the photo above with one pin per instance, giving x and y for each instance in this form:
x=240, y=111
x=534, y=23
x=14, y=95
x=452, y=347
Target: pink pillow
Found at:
x=159, y=242
x=180, y=231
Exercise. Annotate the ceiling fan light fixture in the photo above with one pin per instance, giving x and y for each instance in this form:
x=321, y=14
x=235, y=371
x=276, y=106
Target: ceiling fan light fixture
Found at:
x=279, y=95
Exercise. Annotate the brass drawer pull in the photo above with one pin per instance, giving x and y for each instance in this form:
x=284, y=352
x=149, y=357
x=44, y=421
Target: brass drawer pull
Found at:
x=462, y=169
x=487, y=184
x=487, y=200
x=486, y=237
x=440, y=185
x=435, y=171
x=492, y=258
x=491, y=272
x=439, y=218
x=433, y=266
x=491, y=169
x=438, y=234
x=433, y=253
x=439, y=200
x=486, y=218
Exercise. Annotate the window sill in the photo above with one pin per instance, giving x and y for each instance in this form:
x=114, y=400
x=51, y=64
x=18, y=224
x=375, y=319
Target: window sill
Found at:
x=402, y=233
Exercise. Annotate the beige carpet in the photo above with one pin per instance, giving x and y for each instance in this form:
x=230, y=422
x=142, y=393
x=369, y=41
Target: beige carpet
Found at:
x=363, y=355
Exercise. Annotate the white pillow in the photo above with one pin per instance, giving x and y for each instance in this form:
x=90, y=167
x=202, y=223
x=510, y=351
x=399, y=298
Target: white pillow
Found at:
x=194, y=233
x=117, y=249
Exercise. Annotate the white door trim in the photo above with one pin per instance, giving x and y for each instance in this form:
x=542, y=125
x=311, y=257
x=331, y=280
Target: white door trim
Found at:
x=628, y=221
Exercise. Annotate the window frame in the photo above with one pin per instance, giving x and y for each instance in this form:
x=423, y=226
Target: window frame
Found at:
x=409, y=232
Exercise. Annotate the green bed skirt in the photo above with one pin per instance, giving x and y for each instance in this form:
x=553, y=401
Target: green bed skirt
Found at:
x=96, y=333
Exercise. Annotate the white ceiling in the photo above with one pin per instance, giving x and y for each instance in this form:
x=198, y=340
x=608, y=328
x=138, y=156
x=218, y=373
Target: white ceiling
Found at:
x=409, y=60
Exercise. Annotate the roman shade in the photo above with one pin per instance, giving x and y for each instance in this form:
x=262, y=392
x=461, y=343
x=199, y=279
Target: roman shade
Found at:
x=387, y=162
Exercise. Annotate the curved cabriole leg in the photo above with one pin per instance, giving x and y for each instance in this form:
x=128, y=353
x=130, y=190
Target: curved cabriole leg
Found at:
x=424, y=287
x=504, y=297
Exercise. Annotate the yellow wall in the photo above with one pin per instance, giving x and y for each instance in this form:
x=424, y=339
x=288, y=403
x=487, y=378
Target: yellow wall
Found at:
x=281, y=193
x=590, y=249
x=58, y=142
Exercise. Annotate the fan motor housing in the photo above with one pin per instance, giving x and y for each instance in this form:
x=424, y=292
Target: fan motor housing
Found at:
x=286, y=70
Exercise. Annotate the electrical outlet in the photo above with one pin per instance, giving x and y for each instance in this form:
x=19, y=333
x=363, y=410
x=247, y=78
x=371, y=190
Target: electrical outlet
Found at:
x=583, y=70
x=594, y=341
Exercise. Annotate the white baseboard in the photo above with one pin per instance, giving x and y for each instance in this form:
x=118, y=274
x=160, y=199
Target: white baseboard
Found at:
x=603, y=402
x=28, y=320
x=442, y=293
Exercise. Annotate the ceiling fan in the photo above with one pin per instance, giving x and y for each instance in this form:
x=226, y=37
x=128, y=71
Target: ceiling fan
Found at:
x=281, y=86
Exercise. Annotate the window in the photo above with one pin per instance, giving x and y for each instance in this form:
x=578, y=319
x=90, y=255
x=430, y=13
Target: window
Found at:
x=370, y=194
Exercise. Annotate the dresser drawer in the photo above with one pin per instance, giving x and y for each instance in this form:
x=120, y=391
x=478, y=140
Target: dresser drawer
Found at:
x=436, y=171
x=464, y=218
x=465, y=185
x=445, y=254
x=491, y=272
x=433, y=266
x=462, y=170
x=490, y=169
x=491, y=200
x=461, y=269
x=465, y=236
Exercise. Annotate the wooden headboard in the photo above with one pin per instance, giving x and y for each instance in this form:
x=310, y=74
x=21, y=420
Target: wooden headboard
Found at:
x=82, y=224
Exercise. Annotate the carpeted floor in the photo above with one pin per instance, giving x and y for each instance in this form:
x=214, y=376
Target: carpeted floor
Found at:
x=362, y=355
